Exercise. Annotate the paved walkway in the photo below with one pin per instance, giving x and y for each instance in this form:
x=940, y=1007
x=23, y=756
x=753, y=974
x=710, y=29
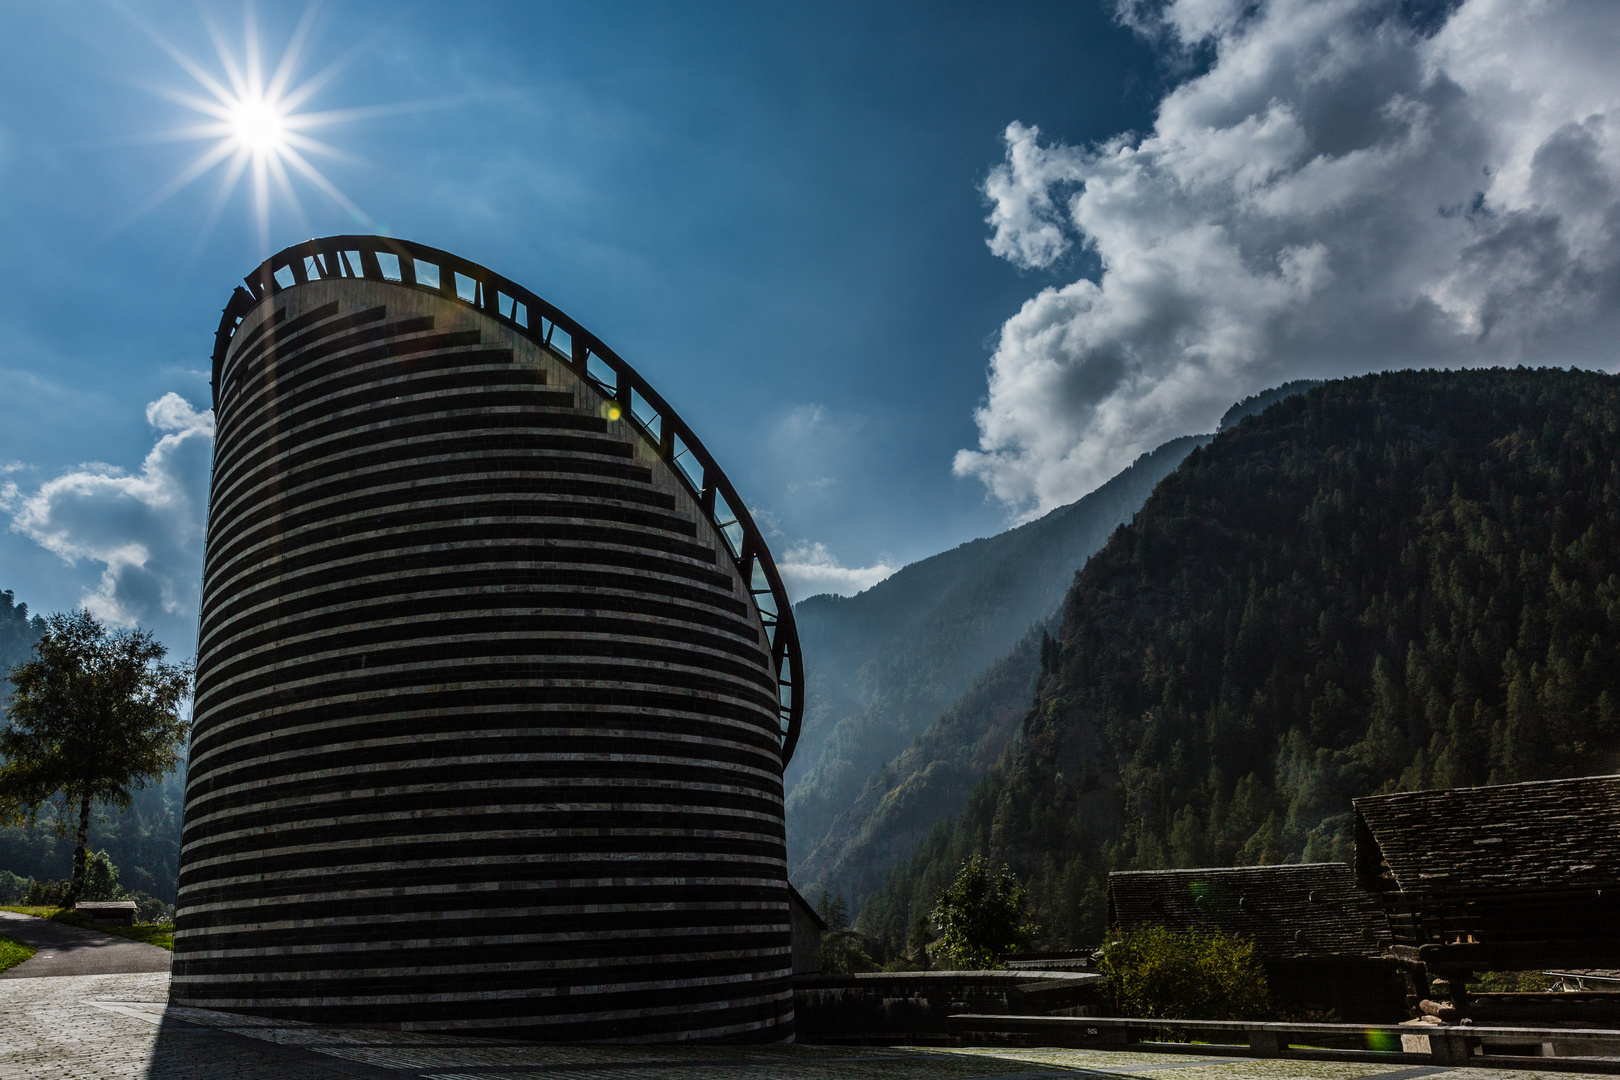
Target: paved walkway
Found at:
x=117, y=1027
x=72, y=950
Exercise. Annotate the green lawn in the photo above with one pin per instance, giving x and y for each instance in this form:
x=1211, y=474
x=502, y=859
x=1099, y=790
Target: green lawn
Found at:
x=159, y=934
x=13, y=953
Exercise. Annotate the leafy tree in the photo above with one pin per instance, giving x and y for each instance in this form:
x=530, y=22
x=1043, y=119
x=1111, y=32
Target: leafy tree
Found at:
x=982, y=916
x=922, y=932
x=94, y=714
x=1165, y=975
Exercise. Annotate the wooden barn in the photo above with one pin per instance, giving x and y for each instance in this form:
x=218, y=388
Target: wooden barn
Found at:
x=1515, y=877
x=1320, y=938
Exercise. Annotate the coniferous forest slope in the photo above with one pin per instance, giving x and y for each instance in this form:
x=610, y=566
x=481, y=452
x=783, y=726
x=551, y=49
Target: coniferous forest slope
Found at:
x=1401, y=581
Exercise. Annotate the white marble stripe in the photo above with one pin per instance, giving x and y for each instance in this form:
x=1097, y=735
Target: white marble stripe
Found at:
x=650, y=783
x=251, y=562
x=670, y=810
x=424, y=922
x=740, y=696
x=492, y=1023
x=314, y=705
x=527, y=729
x=665, y=948
x=558, y=861
x=474, y=891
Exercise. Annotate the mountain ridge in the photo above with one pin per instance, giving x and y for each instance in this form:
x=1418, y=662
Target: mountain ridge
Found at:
x=886, y=664
x=1399, y=581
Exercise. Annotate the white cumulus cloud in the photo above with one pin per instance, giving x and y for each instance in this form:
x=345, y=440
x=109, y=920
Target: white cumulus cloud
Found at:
x=145, y=529
x=809, y=569
x=1338, y=193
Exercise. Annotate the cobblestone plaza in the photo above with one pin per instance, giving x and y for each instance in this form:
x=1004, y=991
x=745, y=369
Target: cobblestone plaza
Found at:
x=118, y=1027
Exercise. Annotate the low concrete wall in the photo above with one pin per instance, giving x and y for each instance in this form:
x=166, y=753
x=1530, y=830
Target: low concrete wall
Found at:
x=912, y=1006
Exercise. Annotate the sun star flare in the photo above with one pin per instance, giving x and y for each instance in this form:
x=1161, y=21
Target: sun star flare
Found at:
x=256, y=128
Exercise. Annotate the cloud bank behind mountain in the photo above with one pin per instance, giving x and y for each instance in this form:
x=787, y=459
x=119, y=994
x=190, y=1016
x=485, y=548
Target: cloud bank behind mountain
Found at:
x=1339, y=191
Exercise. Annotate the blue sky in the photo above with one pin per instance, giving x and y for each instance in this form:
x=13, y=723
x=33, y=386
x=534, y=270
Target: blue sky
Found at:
x=913, y=273
x=774, y=213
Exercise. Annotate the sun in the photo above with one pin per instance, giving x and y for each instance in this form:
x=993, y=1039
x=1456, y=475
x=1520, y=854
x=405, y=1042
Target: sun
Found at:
x=256, y=127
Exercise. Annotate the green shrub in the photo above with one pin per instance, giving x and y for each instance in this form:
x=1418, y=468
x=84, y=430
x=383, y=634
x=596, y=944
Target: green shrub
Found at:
x=1510, y=982
x=149, y=909
x=13, y=889
x=51, y=894
x=1164, y=974
x=101, y=878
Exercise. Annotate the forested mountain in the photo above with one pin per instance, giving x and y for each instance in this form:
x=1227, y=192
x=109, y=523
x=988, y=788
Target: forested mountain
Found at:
x=18, y=632
x=884, y=665
x=929, y=781
x=1401, y=581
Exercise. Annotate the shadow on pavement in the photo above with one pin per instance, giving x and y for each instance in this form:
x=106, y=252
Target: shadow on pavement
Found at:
x=195, y=1044
x=73, y=950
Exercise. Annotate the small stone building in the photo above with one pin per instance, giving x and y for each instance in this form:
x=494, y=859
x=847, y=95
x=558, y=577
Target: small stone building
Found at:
x=808, y=927
x=1320, y=938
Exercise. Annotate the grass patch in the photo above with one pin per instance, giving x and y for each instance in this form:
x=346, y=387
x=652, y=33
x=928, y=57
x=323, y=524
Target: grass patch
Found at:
x=13, y=953
x=159, y=934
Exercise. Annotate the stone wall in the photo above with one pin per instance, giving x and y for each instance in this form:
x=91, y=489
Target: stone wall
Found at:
x=911, y=1007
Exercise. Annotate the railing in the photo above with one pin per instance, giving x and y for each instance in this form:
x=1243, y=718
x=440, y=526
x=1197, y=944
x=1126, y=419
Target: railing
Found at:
x=401, y=262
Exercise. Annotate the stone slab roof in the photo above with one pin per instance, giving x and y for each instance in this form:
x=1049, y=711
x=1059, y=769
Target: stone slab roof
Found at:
x=1293, y=911
x=1545, y=835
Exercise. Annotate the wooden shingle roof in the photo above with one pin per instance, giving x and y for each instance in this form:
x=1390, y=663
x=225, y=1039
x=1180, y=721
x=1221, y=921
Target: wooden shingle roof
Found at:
x=1541, y=836
x=1293, y=911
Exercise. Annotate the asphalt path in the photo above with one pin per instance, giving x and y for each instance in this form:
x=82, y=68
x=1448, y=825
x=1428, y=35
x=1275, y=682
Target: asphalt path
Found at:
x=72, y=950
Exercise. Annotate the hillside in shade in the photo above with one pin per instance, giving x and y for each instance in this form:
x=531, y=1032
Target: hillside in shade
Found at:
x=18, y=632
x=884, y=665
x=928, y=781
x=1395, y=582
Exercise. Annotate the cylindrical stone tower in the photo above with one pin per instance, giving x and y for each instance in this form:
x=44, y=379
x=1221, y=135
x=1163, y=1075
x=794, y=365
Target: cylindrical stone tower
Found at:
x=495, y=677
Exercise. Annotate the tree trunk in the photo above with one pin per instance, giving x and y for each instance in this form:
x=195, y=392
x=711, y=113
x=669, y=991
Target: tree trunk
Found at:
x=79, y=857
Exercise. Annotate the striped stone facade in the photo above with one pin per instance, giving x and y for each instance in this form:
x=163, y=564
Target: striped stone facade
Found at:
x=487, y=727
